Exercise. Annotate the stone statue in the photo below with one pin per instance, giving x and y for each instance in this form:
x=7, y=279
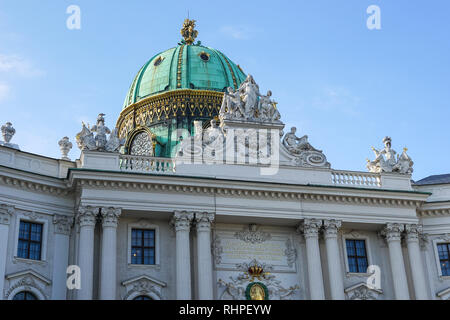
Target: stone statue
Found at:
x=404, y=164
x=65, y=145
x=231, y=105
x=295, y=144
x=249, y=92
x=386, y=160
x=267, y=110
x=304, y=154
x=248, y=104
x=8, y=132
x=102, y=131
x=114, y=142
x=86, y=140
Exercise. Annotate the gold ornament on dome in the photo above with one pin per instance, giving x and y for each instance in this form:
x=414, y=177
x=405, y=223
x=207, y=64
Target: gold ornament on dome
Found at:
x=188, y=31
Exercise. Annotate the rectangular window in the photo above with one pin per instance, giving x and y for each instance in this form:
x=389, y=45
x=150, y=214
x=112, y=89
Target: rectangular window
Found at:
x=444, y=254
x=30, y=240
x=357, y=256
x=143, y=247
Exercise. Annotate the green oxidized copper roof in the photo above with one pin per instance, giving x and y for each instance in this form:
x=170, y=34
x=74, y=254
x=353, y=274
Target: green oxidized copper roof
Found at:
x=185, y=67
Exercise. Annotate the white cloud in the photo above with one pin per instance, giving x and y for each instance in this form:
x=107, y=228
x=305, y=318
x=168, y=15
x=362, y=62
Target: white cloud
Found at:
x=337, y=99
x=238, y=32
x=18, y=65
x=4, y=91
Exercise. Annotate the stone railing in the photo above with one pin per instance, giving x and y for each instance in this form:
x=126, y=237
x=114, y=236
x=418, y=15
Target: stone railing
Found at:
x=356, y=179
x=146, y=164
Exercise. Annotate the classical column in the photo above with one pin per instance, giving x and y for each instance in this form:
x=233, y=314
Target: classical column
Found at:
x=86, y=218
x=62, y=226
x=331, y=228
x=393, y=232
x=413, y=231
x=310, y=229
x=182, y=223
x=6, y=213
x=204, y=259
x=108, y=272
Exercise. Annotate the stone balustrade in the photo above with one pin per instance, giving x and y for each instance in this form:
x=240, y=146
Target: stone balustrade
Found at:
x=144, y=164
x=357, y=179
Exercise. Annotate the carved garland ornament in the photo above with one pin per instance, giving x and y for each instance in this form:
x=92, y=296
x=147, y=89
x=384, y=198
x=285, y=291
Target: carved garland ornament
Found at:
x=252, y=235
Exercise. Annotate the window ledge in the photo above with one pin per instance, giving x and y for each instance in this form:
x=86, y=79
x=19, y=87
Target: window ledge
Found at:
x=145, y=266
x=444, y=278
x=360, y=275
x=29, y=261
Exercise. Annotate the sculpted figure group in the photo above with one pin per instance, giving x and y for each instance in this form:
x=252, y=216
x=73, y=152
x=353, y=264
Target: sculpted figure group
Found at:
x=387, y=160
x=87, y=141
x=247, y=103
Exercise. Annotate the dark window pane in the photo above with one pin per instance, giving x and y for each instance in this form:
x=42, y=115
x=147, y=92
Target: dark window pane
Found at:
x=362, y=265
x=30, y=240
x=350, y=248
x=142, y=298
x=357, y=256
x=24, y=295
x=143, y=247
x=23, y=249
x=352, y=265
x=444, y=253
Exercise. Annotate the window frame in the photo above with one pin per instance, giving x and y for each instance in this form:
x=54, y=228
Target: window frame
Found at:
x=29, y=240
x=44, y=240
x=358, y=236
x=144, y=226
x=437, y=242
x=141, y=245
x=356, y=256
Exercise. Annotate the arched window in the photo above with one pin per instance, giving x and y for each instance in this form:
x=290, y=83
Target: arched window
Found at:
x=24, y=295
x=142, y=145
x=139, y=298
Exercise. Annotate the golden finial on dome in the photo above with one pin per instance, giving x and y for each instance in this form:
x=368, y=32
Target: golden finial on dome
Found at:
x=188, y=31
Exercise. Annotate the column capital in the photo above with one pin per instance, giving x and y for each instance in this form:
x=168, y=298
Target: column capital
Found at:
x=393, y=231
x=6, y=212
x=110, y=217
x=310, y=227
x=413, y=232
x=62, y=224
x=204, y=220
x=182, y=220
x=331, y=228
x=87, y=215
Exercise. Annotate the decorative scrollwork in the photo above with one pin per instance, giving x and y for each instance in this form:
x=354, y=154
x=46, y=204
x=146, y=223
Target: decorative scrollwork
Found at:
x=142, y=145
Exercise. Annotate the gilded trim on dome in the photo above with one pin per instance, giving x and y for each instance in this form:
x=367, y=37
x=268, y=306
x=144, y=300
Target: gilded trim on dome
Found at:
x=168, y=105
x=231, y=70
x=180, y=62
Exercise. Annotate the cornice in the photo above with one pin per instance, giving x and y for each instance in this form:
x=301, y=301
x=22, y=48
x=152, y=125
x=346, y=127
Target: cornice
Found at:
x=24, y=184
x=433, y=212
x=245, y=191
x=31, y=181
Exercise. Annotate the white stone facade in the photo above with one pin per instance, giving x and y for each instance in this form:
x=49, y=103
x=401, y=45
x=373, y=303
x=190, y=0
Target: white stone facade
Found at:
x=211, y=223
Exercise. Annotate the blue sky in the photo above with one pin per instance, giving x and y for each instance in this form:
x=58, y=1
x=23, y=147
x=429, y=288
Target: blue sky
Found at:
x=344, y=85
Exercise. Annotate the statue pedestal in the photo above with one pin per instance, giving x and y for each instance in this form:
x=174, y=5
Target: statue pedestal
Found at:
x=246, y=124
x=100, y=160
x=9, y=145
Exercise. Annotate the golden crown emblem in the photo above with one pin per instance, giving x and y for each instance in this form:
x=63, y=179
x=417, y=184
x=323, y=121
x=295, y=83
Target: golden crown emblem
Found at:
x=255, y=271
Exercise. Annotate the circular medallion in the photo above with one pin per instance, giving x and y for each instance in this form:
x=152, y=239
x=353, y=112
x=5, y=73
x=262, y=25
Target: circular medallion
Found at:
x=257, y=291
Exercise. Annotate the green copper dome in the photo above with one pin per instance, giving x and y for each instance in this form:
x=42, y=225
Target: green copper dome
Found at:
x=185, y=67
